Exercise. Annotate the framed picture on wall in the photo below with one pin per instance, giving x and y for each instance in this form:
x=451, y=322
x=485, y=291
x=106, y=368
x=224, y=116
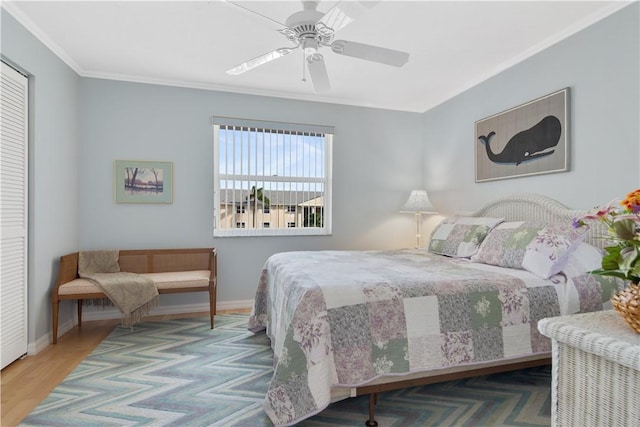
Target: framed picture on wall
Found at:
x=529, y=139
x=143, y=181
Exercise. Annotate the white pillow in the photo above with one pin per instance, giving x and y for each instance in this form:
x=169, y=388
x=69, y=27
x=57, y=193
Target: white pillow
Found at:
x=583, y=259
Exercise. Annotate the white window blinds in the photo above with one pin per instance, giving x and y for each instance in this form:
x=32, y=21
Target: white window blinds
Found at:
x=271, y=178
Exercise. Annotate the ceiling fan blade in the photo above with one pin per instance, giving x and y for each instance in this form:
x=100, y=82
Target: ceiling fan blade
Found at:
x=318, y=72
x=343, y=13
x=260, y=60
x=370, y=53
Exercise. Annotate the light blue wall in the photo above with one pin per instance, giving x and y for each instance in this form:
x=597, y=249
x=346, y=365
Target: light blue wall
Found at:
x=376, y=162
x=53, y=165
x=601, y=66
x=79, y=126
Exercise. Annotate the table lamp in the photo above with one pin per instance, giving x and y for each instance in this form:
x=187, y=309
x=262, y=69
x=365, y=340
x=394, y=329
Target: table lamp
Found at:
x=418, y=203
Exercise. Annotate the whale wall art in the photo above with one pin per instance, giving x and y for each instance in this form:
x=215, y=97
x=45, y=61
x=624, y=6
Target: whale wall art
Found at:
x=529, y=139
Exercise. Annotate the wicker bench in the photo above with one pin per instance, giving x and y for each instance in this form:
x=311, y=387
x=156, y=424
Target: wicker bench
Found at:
x=173, y=271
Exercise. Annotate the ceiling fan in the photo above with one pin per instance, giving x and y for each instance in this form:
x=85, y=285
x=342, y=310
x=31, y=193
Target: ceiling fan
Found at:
x=311, y=30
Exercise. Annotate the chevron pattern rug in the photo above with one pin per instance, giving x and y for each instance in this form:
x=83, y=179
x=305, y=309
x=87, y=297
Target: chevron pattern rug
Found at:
x=181, y=373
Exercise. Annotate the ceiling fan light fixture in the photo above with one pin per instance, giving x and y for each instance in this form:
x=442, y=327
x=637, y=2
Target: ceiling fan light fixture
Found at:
x=310, y=46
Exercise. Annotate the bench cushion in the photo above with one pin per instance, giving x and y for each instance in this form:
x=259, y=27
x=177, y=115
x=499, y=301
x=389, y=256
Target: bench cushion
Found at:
x=180, y=279
x=171, y=280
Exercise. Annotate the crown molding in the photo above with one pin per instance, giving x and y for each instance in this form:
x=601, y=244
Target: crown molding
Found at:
x=13, y=10
x=311, y=97
x=545, y=44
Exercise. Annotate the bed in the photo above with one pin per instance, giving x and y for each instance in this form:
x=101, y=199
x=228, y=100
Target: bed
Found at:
x=349, y=323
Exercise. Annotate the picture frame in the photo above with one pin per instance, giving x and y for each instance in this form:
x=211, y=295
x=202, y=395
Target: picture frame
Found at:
x=530, y=139
x=138, y=181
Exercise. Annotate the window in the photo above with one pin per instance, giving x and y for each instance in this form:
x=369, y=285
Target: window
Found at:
x=273, y=178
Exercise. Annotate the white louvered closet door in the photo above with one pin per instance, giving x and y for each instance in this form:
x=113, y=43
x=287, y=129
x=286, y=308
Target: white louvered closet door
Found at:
x=13, y=215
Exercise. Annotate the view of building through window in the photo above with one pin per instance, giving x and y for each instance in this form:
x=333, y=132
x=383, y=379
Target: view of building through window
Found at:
x=271, y=179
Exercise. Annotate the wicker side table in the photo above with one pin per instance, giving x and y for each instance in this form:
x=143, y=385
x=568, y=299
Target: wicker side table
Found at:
x=596, y=370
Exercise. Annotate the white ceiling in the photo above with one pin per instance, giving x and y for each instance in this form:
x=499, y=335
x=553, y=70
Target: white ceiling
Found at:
x=453, y=45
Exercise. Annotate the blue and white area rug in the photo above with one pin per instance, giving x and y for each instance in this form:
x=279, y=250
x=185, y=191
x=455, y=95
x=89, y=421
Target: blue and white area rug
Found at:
x=181, y=373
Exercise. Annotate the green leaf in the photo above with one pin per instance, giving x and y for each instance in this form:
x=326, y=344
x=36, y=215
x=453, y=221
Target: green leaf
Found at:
x=628, y=257
x=610, y=261
x=612, y=273
x=625, y=229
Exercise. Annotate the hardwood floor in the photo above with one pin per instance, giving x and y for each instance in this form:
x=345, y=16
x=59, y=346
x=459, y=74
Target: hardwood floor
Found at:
x=26, y=382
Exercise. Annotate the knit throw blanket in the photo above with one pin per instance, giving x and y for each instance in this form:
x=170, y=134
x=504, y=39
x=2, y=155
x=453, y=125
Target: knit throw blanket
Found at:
x=133, y=294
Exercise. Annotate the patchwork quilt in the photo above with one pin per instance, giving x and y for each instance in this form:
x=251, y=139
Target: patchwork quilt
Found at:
x=345, y=318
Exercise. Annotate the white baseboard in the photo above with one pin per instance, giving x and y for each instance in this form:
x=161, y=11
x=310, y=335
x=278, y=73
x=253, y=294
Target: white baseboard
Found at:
x=241, y=304
x=44, y=341
x=113, y=313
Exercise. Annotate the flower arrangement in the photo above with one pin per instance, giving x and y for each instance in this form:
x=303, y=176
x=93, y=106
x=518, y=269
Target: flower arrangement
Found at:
x=621, y=259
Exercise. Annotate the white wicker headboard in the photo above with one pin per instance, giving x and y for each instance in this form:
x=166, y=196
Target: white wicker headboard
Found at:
x=535, y=207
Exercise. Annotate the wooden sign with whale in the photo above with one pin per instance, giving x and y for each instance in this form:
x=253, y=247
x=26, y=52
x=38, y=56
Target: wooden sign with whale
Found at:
x=529, y=139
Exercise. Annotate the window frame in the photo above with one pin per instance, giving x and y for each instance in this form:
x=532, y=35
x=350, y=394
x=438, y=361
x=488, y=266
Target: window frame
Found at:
x=274, y=127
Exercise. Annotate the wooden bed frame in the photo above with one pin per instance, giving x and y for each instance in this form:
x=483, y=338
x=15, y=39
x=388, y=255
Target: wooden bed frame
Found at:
x=519, y=207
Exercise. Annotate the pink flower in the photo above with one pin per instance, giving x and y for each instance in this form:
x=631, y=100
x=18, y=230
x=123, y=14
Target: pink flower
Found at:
x=622, y=258
x=600, y=214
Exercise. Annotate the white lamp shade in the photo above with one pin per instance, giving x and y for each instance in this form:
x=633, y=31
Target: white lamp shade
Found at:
x=418, y=202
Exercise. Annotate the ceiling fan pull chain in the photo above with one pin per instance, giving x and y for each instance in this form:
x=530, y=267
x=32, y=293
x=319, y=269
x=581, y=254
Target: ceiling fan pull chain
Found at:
x=304, y=78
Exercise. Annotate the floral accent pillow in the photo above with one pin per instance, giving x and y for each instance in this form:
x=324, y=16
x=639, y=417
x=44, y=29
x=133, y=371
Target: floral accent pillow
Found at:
x=461, y=236
x=541, y=248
